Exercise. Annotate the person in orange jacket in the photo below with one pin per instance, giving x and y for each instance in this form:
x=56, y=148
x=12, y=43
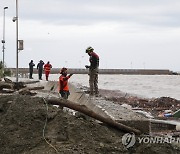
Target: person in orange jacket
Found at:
x=63, y=83
x=47, y=69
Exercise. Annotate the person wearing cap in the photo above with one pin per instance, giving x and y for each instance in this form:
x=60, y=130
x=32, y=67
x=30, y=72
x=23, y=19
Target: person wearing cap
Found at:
x=63, y=83
x=40, y=69
x=31, y=65
x=93, y=71
x=47, y=69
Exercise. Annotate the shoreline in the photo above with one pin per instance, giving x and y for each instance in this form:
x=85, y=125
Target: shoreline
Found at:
x=25, y=115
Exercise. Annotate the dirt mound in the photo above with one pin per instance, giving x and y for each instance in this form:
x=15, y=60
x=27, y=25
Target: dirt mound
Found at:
x=166, y=102
x=22, y=120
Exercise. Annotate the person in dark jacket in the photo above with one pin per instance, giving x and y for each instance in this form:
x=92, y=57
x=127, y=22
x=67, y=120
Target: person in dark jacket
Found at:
x=31, y=65
x=93, y=71
x=40, y=69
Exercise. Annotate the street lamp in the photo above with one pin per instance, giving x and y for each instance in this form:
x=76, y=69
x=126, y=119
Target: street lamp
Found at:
x=15, y=19
x=17, y=69
x=3, y=40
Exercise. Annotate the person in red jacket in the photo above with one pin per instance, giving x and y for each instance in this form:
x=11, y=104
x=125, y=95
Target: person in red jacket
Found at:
x=63, y=83
x=47, y=69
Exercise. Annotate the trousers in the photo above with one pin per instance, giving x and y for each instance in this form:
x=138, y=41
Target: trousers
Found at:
x=93, y=81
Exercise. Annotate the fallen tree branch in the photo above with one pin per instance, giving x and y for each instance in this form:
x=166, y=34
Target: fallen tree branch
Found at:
x=7, y=80
x=31, y=88
x=30, y=82
x=27, y=90
x=20, y=86
x=9, y=84
x=6, y=85
x=85, y=110
x=7, y=91
x=34, y=88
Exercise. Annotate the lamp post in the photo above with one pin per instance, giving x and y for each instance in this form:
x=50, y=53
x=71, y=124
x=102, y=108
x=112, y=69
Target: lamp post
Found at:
x=15, y=19
x=17, y=69
x=19, y=43
x=3, y=41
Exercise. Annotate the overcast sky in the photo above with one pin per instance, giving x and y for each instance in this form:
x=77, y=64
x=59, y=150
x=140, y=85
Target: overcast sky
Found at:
x=125, y=34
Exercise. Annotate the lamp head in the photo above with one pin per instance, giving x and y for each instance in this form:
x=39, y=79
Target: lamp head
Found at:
x=14, y=19
x=5, y=7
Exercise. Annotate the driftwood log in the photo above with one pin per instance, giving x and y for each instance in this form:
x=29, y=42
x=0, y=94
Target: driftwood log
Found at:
x=30, y=82
x=27, y=90
x=21, y=87
x=7, y=80
x=85, y=110
x=13, y=85
x=32, y=88
x=6, y=85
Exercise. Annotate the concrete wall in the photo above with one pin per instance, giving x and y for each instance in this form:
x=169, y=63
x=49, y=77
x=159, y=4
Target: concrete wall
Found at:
x=76, y=96
x=103, y=71
x=79, y=97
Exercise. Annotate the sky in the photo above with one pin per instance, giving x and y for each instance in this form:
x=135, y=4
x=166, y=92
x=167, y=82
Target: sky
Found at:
x=126, y=34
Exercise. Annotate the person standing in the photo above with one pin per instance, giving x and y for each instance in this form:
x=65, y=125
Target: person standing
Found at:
x=93, y=71
x=47, y=69
x=63, y=83
x=40, y=69
x=31, y=65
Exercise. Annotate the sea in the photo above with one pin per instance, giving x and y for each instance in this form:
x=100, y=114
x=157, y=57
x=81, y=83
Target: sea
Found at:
x=145, y=86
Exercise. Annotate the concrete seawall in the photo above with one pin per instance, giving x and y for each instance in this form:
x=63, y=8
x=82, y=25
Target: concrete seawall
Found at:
x=98, y=105
x=108, y=109
x=76, y=96
x=103, y=71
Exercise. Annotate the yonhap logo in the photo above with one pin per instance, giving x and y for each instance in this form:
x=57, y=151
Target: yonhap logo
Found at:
x=128, y=140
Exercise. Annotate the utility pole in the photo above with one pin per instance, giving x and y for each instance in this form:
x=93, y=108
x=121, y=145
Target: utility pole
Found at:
x=3, y=40
x=17, y=68
x=19, y=43
x=15, y=19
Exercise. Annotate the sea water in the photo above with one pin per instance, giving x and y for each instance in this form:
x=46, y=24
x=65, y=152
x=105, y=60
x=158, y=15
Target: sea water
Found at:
x=147, y=86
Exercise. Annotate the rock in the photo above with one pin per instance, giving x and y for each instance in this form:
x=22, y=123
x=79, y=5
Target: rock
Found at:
x=178, y=127
x=127, y=106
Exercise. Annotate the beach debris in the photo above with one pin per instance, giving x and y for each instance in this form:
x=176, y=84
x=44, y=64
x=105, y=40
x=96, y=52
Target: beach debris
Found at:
x=156, y=106
x=4, y=85
x=8, y=86
x=178, y=127
x=145, y=114
x=165, y=113
x=176, y=114
x=7, y=80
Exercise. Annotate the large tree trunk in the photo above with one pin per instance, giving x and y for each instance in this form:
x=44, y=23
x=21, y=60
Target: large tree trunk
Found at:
x=85, y=110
